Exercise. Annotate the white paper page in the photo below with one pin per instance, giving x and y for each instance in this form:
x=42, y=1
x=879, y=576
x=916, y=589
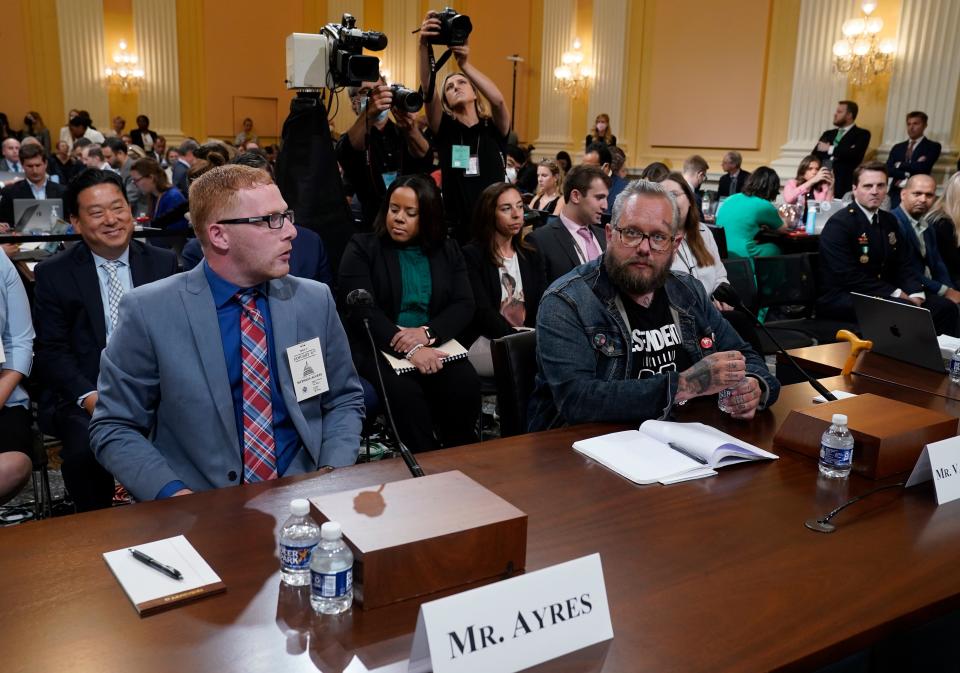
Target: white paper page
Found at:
x=839, y=394
x=143, y=583
x=948, y=345
x=713, y=445
x=636, y=456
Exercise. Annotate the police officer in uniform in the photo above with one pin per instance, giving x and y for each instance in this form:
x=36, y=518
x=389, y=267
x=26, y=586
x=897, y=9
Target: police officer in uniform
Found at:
x=861, y=251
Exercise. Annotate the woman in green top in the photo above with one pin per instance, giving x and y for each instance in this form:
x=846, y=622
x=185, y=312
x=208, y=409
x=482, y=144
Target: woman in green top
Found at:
x=743, y=215
x=422, y=298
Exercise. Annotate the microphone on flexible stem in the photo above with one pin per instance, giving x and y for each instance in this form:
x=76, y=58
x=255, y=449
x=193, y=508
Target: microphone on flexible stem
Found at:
x=361, y=299
x=726, y=294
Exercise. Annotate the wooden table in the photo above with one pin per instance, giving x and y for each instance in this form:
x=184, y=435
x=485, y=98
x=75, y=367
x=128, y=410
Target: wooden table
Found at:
x=828, y=360
x=711, y=575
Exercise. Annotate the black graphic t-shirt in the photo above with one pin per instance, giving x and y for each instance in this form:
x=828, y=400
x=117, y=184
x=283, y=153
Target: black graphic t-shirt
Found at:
x=655, y=338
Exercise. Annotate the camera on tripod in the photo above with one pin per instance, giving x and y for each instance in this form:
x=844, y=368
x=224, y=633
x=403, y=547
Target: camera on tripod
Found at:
x=334, y=57
x=454, y=28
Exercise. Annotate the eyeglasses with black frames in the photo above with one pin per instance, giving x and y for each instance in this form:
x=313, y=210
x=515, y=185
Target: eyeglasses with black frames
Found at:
x=273, y=220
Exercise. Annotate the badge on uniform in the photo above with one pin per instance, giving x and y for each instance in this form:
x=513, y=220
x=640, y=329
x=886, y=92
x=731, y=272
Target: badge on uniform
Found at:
x=864, y=244
x=892, y=237
x=307, y=369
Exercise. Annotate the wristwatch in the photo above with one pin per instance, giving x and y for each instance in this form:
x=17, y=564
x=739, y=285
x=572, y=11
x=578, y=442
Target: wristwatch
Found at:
x=431, y=337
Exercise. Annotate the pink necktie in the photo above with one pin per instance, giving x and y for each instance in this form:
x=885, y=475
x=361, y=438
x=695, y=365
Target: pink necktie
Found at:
x=590, y=246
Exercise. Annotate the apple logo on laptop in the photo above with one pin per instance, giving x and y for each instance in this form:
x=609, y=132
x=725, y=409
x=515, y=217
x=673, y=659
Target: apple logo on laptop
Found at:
x=895, y=331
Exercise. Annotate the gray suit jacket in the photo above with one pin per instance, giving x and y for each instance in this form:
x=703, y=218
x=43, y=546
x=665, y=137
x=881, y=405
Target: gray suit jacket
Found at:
x=165, y=410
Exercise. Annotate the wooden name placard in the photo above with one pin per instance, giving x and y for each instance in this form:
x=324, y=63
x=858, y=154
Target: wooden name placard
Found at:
x=889, y=435
x=419, y=536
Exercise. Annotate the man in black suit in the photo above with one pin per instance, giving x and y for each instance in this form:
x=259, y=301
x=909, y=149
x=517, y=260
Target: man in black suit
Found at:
x=143, y=136
x=862, y=249
x=182, y=166
x=844, y=145
x=37, y=185
x=576, y=236
x=914, y=156
x=733, y=179
x=75, y=312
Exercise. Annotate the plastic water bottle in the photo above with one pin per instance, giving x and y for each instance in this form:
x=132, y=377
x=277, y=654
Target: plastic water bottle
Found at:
x=811, y=217
x=836, y=449
x=298, y=538
x=955, y=366
x=722, y=398
x=331, y=572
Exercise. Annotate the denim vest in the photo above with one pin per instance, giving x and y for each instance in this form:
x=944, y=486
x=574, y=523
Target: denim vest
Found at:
x=584, y=351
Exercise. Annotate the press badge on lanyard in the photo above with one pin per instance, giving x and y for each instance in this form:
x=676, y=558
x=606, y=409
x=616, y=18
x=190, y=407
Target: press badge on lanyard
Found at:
x=461, y=158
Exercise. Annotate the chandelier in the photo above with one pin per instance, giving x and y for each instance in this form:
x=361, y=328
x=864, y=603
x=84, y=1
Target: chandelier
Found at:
x=573, y=75
x=861, y=55
x=125, y=73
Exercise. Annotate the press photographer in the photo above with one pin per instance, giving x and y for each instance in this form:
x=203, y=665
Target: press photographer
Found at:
x=377, y=148
x=470, y=140
x=307, y=171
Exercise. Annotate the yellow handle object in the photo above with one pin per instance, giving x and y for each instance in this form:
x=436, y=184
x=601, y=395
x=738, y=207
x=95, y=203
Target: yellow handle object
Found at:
x=856, y=345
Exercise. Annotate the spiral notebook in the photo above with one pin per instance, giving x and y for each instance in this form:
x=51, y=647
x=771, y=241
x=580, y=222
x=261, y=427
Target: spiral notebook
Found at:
x=452, y=348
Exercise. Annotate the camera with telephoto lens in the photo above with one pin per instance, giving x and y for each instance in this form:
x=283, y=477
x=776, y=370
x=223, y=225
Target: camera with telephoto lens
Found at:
x=454, y=28
x=406, y=100
x=334, y=57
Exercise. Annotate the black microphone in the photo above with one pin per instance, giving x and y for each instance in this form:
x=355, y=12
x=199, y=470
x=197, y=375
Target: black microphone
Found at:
x=362, y=299
x=726, y=294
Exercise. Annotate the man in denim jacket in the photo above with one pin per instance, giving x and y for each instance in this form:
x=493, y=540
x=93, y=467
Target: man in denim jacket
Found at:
x=623, y=339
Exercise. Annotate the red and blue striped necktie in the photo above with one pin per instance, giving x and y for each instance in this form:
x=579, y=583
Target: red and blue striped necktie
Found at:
x=259, y=446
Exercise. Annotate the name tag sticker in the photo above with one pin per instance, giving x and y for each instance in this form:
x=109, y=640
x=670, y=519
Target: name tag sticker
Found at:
x=460, y=157
x=939, y=461
x=307, y=369
x=516, y=623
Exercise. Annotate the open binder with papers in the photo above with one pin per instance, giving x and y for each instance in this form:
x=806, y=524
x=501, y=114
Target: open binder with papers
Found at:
x=667, y=452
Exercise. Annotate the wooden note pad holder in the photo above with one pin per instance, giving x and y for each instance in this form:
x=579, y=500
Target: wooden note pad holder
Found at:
x=889, y=435
x=419, y=536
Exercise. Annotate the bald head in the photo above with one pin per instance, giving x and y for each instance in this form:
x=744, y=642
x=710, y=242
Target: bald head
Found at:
x=918, y=195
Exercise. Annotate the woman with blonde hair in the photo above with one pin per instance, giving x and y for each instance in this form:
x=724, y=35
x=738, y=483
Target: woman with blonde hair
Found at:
x=601, y=132
x=471, y=142
x=549, y=179
x=944, y=217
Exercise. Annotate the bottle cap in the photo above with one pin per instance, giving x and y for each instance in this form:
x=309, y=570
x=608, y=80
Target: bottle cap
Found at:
x=839, y=419
x=299, y=507
x=330, y=531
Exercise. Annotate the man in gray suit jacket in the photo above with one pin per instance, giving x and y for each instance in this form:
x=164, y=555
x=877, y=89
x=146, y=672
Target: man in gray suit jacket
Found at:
x=577, y=235
x=216, y=377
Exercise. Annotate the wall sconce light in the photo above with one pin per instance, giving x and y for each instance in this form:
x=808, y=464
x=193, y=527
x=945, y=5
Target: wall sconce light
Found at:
x=125, y=73
x=573, y=75
x=861, y=55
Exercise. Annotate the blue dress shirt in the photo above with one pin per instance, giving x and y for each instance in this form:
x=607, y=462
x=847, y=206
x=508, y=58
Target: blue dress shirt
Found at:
x=228, y=315
x=16, y=329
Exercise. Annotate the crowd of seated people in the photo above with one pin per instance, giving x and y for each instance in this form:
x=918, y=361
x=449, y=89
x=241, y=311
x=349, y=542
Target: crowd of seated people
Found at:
x=461, y=234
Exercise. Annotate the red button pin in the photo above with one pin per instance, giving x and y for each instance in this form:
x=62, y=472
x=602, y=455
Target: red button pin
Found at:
x=706, y=342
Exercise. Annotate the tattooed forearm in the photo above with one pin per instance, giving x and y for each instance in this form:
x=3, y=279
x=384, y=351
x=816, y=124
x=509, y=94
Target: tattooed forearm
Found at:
x=695, y=381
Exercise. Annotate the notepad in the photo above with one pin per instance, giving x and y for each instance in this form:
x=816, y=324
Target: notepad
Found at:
x=452, y=348
x=645, y=456
x=150, y=590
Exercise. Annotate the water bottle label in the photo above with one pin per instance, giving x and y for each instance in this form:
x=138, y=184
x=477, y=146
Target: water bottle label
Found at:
x=835, y=457
x=331, y=585
x=296, y=558
x=955, y=367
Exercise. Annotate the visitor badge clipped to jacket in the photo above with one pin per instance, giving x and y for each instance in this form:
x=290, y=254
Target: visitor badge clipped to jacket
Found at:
x=460, y=157
x=307, y=369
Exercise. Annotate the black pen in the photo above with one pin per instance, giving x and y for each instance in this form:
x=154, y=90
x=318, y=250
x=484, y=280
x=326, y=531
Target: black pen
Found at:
x=156, y=565
x=688, y=454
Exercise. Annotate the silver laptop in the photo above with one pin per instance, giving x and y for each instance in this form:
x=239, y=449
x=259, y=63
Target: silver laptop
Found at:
x=825, y=210
x=34, y=216
x=900, y=331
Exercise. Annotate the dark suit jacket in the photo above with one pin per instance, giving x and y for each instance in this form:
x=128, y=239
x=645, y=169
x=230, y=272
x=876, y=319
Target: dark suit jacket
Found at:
x=724, y=188
x=137, y=137
x=558, y=249
x=924, y=156
x=5, y=166
x=485, y=281
x=308, y=258
x=847, y=155
x=180, y=171
x=21, y=190
x=370, y=262
x=68, y=315
x=887, y=267
x=939, y=275
x=947, y=246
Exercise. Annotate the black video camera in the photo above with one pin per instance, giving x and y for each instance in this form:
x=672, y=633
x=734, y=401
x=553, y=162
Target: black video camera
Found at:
x=454, y=28
x=406, y=100
x=348, y=65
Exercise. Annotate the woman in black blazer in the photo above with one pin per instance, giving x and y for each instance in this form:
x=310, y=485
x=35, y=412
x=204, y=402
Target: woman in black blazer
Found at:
x=506, y=273
x=422, y=298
